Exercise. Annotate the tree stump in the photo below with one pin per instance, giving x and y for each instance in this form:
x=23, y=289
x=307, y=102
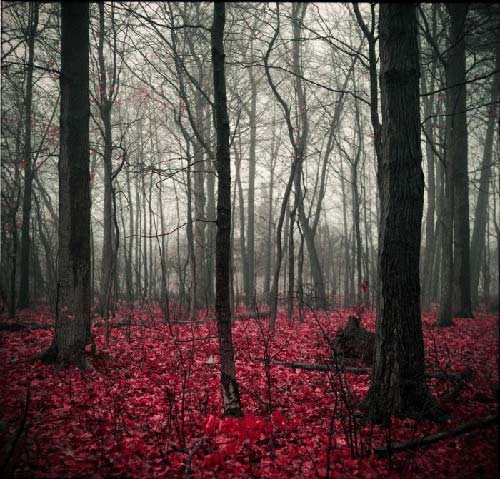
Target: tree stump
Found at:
x=354, y=341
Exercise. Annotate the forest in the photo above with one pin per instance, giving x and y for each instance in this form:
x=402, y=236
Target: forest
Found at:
x=249, y=240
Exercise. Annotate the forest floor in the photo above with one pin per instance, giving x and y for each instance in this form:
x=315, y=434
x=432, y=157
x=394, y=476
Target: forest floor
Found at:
x=151, y=408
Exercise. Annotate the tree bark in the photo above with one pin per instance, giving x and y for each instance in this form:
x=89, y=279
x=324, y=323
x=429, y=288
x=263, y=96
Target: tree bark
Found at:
x=229, y=385
x=398, y=384
x=72, y=327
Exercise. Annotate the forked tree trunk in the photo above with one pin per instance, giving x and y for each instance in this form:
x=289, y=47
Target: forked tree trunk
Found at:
x=229, y=386
x=398, y=384
x=72, y=328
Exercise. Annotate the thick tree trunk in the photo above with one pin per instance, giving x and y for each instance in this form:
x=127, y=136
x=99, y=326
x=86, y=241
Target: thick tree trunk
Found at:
x=229, y=386
x=398, y=384
x=72, y=327
x=24, y=285
x=481, y=216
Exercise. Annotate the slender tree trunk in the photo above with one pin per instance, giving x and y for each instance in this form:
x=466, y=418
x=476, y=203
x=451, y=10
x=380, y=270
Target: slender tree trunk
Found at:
x=151, y=281
x=138, y=242
x=229, y=385
x=355, y=209
x=50, y=264
x=251, y=297
x=199, y=206
x=291, y=264
x=357, y=232
x=24, y=286
x=243, y=245
x=105, y=106
x=440, y=205
x=190, y=240
x=455, y=284
x=72, y=327
x=458, y=155
x=145, y=253
x=129, y=257
x=347, y=262
x=300, y=151
x=211, y=214
x=430, y=237
x=398, y=384
x=481, y=215
x=13, y=268
x=269, y=246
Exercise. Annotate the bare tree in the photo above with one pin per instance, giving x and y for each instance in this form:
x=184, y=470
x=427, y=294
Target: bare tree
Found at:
x=229, y=385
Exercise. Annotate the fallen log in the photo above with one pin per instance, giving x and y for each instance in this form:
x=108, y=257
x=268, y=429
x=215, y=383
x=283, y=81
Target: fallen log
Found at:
x=332, y=367
x=317, y=367
x=431, y=439
x=21, y=326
